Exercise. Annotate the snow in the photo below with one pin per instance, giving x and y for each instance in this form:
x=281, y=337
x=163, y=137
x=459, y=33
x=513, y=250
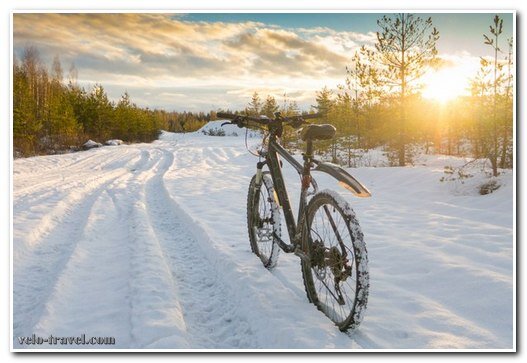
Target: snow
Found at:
x=148, y=243
x=114, y=142
x=91, y=144
x=230, y=130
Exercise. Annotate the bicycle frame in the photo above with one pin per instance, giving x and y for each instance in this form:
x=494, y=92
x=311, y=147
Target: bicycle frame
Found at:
x=273, y=163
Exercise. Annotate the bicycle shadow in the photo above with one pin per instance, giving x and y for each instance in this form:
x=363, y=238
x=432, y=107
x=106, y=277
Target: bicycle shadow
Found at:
x=362, y=339
x=359, y=337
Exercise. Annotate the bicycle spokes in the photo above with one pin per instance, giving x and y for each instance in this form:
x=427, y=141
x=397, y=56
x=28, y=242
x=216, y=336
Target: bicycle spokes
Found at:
x=323, y=260
x=332, y=261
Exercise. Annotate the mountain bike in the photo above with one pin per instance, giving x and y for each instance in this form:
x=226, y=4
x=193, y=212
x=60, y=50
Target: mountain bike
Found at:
x=325, y=234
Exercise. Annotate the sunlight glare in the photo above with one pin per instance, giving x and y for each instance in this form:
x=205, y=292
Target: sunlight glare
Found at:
x=445, y=84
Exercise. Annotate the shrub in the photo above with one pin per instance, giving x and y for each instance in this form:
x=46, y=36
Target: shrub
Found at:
x=488, y=187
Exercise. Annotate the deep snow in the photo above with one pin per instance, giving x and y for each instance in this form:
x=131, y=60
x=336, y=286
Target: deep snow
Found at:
x=147, y=243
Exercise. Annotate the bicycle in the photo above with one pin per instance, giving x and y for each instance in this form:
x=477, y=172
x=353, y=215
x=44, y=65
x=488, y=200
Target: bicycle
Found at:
x=325, y=235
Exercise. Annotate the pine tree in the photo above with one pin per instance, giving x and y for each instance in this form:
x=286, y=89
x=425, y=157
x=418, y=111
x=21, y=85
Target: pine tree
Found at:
x=357, y=97
x=61, y=126
x=255, y=105
x=507, y=127
x=325, y=103
x=99, y=113
x=405, y=45
x=497, y=119
x=123, y=126
x=270, y=107
x=326, y=107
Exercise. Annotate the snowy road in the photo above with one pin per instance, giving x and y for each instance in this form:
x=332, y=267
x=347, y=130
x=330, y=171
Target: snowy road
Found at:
x=147, y=243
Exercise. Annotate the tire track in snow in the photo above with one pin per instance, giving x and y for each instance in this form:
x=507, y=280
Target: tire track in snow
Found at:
x=210, y=314
x=103, y=286
x=55, y=201
x=262, y=291
x=414, y=304
x=60, y=208
x=58, y=163
x=65, y=199
x=37, y=274
x=39, y=182
x=155, y=314
x=93, y=292
x=40, y=187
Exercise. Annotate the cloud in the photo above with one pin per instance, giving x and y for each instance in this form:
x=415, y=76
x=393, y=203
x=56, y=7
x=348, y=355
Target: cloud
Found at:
x=155, y=52
x=278, y=52
x=153, y=42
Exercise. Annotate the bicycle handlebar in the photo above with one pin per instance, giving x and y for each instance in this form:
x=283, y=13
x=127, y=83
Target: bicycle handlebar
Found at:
x=230, y=116
x=238, y=119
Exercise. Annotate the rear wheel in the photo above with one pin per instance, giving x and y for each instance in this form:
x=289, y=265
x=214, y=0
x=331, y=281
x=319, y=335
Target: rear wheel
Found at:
x=336, y=273
x=263, y=220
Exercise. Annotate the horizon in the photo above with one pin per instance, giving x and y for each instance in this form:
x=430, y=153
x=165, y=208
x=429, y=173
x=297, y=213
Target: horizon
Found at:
x=209, y=61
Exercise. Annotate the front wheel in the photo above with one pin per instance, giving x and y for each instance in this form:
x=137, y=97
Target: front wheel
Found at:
x=263, y=220
x=336, y=274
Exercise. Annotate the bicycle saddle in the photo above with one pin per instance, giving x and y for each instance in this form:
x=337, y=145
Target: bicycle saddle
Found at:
x=318, y=132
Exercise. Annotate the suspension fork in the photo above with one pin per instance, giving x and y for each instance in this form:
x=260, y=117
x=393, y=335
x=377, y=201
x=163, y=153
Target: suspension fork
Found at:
x=259, y=172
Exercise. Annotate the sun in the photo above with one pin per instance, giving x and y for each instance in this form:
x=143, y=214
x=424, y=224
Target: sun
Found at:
x=445, y=84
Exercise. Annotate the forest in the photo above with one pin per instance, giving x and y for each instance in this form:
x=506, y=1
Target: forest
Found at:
x=53, y=114
x=379, y=103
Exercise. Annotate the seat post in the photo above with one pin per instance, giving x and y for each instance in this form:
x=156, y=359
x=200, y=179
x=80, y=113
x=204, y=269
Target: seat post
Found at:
x=306, y=176
x=309, y=148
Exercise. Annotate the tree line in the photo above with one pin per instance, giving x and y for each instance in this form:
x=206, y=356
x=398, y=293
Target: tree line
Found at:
x=52, y=113
x=380, y=103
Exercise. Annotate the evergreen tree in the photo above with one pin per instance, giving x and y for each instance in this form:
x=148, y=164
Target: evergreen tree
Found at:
x=356, y=99
x=60, y=124
x=98, y=113
x=325, y=103
x=494, y=98
x=507, y=127
x=406, y=44
x=326, y=107
x=270, y=107
x=255, y=105
x=26, y=126
x=124, y=118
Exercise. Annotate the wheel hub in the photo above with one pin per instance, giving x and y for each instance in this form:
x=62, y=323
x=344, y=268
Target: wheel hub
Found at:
x=338, y=264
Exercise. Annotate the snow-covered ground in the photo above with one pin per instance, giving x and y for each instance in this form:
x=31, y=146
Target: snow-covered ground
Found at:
x=147, y=243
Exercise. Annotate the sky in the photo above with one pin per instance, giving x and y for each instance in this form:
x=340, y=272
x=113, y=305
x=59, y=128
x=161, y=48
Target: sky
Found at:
x=211, y=61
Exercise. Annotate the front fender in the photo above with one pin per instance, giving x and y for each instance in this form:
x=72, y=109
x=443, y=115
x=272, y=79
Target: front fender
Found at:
x=344, y=178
